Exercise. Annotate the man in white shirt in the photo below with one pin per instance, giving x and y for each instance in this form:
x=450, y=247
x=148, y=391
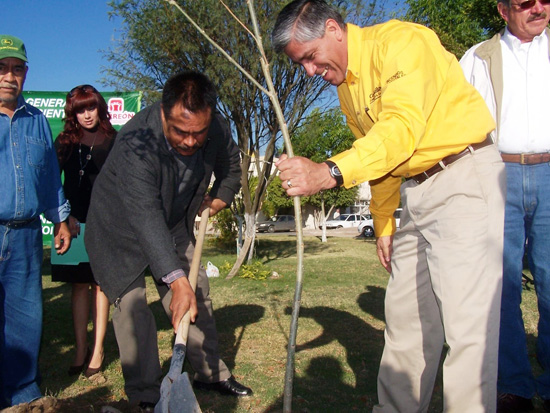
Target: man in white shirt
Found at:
x=512, y=73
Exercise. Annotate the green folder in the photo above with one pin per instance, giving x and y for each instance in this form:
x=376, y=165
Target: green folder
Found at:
x=76, y=254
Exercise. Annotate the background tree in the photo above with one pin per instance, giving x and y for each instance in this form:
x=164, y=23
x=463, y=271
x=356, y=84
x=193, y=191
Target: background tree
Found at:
x=276, y=198
x=157, y=41
x=459, y=23
x=321, y=135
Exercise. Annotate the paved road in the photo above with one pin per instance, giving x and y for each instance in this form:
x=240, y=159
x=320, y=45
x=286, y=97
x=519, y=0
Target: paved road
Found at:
x=342, y=232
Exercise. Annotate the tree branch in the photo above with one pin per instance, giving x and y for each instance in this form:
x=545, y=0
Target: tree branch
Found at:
x=217, y=46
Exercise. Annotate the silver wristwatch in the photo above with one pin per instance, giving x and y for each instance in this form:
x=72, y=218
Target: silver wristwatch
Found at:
x=335, y=172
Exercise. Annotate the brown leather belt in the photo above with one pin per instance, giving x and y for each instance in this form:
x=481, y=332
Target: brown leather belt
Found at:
x=442, y=164
x=526, y=158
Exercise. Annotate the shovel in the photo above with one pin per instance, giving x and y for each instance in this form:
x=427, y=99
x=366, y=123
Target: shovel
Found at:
x=176, y=393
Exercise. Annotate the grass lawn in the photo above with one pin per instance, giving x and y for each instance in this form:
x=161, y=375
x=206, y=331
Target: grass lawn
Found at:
x=339, y=343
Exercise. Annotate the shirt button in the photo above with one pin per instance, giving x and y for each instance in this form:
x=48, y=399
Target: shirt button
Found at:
x=407, y=175
x=353, y=182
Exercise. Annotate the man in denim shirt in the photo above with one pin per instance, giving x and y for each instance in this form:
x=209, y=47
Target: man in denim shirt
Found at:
x=30, y=184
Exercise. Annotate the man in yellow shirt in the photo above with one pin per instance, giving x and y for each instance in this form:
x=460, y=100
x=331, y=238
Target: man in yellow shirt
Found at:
x=422, y=139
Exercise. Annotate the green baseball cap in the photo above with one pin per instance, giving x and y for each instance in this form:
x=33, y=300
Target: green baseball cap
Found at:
x=11, y=46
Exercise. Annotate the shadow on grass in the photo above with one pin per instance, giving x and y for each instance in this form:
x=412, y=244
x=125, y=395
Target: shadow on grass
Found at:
x=324, y=386
x=323, y=383
x=57, y=336
x=362, y=342
x=231, y=323
x=273, y=249
x=324, y=380
x=57, y=345
x=372, y=301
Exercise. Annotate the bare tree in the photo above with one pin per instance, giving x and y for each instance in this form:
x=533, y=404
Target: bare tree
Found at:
x=262, y=101
x=158, y=41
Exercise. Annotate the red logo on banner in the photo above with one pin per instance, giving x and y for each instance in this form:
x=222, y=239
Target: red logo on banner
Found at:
x=116, y=110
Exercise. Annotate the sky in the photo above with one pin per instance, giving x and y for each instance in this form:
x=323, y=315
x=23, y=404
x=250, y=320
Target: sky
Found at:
x=64, y=39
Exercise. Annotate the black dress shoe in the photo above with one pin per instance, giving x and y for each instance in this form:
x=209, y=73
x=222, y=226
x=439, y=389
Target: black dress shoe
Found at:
x=510, y=403
x=147, y=407
x=229, y=387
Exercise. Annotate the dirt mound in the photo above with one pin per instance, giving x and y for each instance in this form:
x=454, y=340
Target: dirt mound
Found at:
x=53, y=405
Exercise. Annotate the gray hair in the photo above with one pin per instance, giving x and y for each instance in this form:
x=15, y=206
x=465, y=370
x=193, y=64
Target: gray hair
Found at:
x=303, y=21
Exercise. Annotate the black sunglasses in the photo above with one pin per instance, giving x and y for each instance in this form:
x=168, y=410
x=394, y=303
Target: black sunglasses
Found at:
x=90, y=88
x=529, y=4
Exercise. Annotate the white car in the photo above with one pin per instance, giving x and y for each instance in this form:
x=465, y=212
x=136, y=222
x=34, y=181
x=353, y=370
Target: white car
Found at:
x=346, y=221
x=367, y=228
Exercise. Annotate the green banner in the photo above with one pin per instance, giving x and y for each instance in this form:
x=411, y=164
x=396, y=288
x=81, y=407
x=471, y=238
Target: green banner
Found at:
x=122, y=107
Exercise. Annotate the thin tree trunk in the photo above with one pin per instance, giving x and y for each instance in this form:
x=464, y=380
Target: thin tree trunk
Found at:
x=272, y=94
x=250, y=220
x=252, y=248
x=249, y=236
x=240, y=258
x=324, y=221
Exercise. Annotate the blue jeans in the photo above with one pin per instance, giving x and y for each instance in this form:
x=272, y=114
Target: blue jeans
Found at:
x=20, y=313
x=527, y=219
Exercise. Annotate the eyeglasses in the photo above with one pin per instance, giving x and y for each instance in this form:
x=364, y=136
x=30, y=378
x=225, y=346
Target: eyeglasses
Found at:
x=529, y=4
x=90, y=88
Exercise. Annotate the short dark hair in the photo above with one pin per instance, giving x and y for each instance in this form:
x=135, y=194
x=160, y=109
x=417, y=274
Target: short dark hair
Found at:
x=303, y=21
x=507, y=3
x=193, y=90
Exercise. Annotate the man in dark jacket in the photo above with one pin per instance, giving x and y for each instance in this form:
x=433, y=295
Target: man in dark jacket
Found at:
x=143, y=207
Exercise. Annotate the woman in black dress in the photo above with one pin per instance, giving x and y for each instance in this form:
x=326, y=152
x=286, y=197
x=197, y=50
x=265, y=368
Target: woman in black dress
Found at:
x=82, y=148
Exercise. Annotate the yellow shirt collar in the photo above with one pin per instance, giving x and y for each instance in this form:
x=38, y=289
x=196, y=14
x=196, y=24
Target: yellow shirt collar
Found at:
x=354, y=34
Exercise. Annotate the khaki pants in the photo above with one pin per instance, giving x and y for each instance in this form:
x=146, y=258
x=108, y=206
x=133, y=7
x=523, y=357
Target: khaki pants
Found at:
x=136, y=335
x=446, y=286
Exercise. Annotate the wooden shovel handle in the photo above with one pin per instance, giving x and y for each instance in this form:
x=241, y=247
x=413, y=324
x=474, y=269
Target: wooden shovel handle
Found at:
x=183, y=328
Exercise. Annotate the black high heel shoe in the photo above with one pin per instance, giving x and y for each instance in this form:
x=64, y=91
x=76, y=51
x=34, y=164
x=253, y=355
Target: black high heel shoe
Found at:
x=75, y=370
x=90, y=371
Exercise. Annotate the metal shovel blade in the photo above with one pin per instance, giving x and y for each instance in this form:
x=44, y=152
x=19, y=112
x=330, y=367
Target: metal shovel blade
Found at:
x=182, y=398
x=176, y=393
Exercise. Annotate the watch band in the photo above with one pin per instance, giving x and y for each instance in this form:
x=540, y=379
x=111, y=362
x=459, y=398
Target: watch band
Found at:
x=335, y=172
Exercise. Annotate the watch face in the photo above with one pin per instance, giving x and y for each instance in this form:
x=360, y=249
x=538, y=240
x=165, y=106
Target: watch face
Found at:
x=335, y=171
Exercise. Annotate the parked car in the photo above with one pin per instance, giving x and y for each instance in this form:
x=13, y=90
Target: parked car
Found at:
x=277, y=223
x=367, y=228
x=346, y=221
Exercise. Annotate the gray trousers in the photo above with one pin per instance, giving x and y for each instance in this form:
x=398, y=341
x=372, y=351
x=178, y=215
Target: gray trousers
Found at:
x=136, y=335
